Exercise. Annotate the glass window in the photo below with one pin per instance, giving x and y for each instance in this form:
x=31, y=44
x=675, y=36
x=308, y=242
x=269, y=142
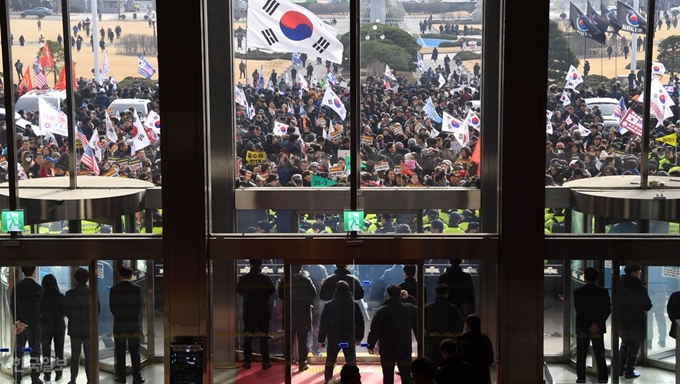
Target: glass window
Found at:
x=595, y=129
x=420, y=117
x=116, y=117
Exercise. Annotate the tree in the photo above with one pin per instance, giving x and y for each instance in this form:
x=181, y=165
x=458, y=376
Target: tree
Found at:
x=57, y=56
x=669, y=54
x=398, y=49
x=560, y=57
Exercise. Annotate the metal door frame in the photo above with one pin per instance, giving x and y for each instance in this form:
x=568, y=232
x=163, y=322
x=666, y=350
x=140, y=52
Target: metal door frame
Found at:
x=330, y=249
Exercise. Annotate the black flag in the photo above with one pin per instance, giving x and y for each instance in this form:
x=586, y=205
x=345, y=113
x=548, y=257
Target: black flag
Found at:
x=584, y=26
x=630, y=19
x=600, y=22
x=614, y=25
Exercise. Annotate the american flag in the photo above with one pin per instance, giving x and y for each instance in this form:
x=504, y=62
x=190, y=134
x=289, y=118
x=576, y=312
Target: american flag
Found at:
x=88, y=158
x=40, y=78
x=83, y=139
x=620, y=109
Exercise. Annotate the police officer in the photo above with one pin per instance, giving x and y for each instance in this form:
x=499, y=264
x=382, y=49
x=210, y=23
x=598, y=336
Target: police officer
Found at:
x=443, y=320
x=386, y=224
x=255, y=289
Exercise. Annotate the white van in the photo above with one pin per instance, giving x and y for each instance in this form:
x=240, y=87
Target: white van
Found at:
x=29, y=101
x=140, y=105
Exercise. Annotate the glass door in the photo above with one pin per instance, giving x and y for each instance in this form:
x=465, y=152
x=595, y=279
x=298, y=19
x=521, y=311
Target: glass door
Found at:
x=662, y=281
x=150, y=322
x=576, y=280
x=44, y=318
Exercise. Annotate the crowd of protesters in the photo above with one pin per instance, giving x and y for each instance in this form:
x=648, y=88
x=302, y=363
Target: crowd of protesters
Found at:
x=401, y=144
x=46, y=155
x=599, y=152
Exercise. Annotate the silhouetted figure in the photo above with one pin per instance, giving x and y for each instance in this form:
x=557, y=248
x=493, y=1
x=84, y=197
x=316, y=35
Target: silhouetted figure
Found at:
x=303, y=294
x=53, y=327
x=255, y=288
x=593, y=308
x=461, y=288
x=341, y=322
x=25, y=301
x=77, y=309
x=125, y=301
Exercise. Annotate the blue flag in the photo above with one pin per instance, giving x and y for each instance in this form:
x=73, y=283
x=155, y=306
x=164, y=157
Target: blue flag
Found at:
x=297, y=61
x=421, y=67
x=260, y=82
x=144, y=67
x=432, y=111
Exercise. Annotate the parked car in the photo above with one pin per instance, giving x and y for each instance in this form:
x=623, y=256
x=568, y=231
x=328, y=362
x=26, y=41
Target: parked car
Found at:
x=606, y=106
x=37, y=11
x=29, y=101
x=20, y=123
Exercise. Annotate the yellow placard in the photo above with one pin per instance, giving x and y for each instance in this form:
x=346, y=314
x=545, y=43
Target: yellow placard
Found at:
x=253, y=157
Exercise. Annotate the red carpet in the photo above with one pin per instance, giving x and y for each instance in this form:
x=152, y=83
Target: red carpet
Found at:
x=370, y=374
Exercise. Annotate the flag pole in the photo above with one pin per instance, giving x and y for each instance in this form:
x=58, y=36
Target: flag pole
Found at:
x=95, y=41
x=70, y=107
x=649, y=51
x=616, y=58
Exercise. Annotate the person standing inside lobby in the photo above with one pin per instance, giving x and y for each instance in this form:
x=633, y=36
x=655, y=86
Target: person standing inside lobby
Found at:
x=125, y=302
x=634, y=305
x=593, y=307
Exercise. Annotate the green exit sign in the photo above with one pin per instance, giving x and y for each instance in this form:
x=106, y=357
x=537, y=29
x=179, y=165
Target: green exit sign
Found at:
x=354, y=221
x=13, y=221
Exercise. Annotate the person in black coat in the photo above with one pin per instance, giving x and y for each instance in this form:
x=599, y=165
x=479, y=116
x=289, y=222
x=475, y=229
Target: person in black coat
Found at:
x=593, y=307
x=673, y=309
x=453, y=370
x=53, y=326
x=442, y=321
x=255, y=289
x=410, y=284
x=77, y=309
x=318, y=274
x=303, y=294
x=476, y=349
x=391, y=329
x=125, y=302
x=634, y=304
x=462, y=291
x=341, y=273
x=26, y=310
x=341, y=322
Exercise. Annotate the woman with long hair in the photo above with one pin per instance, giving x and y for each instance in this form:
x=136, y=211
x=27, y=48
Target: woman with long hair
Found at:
x=53, y=326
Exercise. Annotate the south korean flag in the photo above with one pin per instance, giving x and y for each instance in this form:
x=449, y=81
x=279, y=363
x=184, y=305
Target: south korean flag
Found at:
x=282, y=26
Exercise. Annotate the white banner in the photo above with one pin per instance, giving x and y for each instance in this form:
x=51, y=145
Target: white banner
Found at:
x=52, y=119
